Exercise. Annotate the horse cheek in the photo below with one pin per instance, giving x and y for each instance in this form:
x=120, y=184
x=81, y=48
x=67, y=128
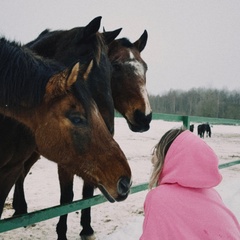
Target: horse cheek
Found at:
x=50, y=137
x=81, y=141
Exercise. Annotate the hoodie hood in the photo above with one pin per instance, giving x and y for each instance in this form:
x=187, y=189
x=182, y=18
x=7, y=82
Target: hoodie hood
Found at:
x=190, y=162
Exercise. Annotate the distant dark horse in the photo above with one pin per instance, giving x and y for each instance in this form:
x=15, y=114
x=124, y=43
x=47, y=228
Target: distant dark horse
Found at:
x=202, y=128
x=191, y=127
x=60, y=121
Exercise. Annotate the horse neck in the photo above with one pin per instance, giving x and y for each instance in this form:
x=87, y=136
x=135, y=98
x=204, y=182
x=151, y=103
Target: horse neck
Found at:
x=99, y=85
x=45, y=47
x=26, y=117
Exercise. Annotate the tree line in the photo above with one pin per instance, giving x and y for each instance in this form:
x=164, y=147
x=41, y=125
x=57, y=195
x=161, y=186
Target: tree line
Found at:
x=198, y=102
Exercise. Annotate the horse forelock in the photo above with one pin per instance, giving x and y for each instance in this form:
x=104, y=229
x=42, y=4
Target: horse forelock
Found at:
x=101, y=47
x=125, y=42
x=81, y=92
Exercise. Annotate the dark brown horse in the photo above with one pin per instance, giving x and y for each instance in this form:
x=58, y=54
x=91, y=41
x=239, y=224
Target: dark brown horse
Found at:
x=130, y=98
x=62, y=121
x=132, y=102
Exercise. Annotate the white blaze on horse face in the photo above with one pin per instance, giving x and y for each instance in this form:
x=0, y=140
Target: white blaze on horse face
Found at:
x=139, y=70
x=148, y=109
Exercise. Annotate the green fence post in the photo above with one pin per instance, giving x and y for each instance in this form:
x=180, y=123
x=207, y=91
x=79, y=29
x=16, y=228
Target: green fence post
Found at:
x=186, y=121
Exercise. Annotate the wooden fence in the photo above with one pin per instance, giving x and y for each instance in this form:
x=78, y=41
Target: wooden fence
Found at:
x=52, y=212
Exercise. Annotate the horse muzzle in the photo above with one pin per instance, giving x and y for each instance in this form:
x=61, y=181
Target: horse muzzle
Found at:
x=141, y=122
x=123, y=189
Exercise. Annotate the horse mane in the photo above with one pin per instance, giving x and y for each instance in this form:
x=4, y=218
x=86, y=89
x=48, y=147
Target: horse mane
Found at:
x=101, y=46
x=40, y=36
x=23, y=75
x=47, y=40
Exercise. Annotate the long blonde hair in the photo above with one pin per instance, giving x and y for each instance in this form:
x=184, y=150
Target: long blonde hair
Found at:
x=159, y=153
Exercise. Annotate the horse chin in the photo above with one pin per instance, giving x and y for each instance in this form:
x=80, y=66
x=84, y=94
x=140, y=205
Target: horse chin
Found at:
x=138, y=128
x=106, y=193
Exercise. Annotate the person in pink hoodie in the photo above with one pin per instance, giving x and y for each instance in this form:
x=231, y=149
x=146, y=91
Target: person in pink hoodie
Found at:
x=184, y=204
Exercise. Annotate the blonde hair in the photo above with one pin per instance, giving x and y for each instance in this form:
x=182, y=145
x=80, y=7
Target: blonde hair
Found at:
x=160, y=151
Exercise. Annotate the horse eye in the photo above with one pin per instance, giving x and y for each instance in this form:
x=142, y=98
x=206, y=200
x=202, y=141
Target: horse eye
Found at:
x=116, y=66
x=77, y=120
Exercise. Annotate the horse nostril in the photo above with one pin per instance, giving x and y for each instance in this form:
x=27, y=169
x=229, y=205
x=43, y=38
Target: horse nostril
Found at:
x=124, y=185
x=141, y=118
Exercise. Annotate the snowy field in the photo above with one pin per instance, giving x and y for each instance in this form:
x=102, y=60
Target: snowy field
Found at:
x=122, y=221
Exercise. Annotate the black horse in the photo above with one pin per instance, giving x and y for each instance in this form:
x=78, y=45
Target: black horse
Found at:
x=191, y=127
x=202, y=128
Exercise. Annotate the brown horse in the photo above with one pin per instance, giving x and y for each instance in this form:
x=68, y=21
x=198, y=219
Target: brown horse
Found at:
x=128, y=82
x=61, y=120
x=132, y=102
x=82, y=44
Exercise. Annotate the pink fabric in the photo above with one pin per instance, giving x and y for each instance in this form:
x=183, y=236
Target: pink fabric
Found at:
x=185, y=206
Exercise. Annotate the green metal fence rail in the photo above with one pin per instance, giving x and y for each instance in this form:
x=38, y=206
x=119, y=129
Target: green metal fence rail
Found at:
x=188, y=119
x=52, y=212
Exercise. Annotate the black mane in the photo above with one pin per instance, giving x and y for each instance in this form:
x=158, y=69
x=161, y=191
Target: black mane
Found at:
x=49, y=44
x=23, y=75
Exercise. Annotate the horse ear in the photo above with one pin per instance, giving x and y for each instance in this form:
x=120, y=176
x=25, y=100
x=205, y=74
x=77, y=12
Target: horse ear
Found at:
x=59, y=83
x=83, y=70
x=92, y=27
x=110, y=36
x=141, y=42
x=44, y=32
x=89, y=30
x=86, y=70
x=72, y=78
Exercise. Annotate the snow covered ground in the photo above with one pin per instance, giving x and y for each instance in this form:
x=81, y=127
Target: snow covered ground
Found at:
x=122, y=221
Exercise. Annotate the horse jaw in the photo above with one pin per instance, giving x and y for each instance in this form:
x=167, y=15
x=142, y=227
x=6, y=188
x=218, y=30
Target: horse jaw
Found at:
x=106, y=193
x=123, y=189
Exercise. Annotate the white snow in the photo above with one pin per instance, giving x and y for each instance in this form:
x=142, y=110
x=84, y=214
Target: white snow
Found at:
x=123, y=220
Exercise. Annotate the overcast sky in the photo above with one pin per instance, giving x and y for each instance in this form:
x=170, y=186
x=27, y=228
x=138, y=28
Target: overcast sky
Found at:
x=192, y=43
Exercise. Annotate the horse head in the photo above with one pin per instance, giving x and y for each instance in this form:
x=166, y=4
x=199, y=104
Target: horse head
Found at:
x=83, y=141
x=82, y=44
x=128, y=82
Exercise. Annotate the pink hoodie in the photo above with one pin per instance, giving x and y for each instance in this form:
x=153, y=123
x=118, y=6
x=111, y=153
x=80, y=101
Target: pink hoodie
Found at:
x=185, y=206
